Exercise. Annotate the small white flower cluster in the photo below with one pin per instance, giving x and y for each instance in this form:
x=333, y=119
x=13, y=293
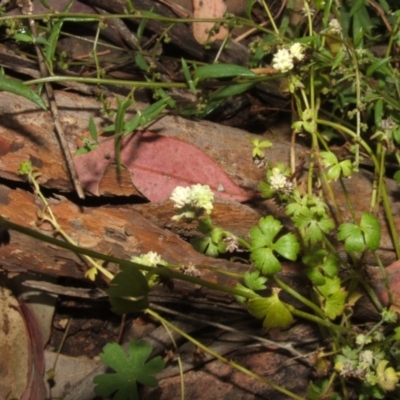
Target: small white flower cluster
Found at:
x=151, y=259
x=191, y=270
x=280, y=182
x=232, y=243
x=191, y=200
x=334, y=26
x=283, y=60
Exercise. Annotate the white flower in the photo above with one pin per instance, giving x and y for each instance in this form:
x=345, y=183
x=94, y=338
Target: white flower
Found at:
x=282, y=61
x=232, y=243
x=296, y=50
x=366, y=356
x=278, y=181
x=181, y=196
x=191, y=270
x=334, y=26
x=191, y=200
x=361, y=339
x=202, y=197
x=151, y=259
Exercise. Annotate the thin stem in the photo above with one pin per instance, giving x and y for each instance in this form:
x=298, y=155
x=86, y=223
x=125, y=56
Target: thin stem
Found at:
x=270, y=17
x=299, y=297
x=223, y=359
x=162, y=271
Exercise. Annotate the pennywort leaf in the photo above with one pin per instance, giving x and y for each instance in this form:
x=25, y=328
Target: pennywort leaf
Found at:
x=272, y=310
x=254, y=281
x=128, y=290
x=361, y=237
x=129, y=370
x=264, y=245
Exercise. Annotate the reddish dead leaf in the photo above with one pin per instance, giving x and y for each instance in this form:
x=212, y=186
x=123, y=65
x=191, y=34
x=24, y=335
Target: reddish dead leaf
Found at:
x=35, y=388
x=20, y=367
x=208, y=9
x=157, y=164
x=393, y=274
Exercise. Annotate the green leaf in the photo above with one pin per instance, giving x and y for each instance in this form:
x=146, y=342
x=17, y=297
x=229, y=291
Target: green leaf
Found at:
x=16, y=87
x=352, y=236
x=397, y=176
x=287, y=246
x=347, y=167
x=222, y=94
x=50, y=49
x=272, y=310
x=331, y=286
x=397, y=333
x=130, y=370
x=141, y=62
x=254, y=281
x=328, y=158
x=207, y=246
x=331, y=266
x=334, y=304
x=378, y=113
x=128, y=290
x=264, y=234
x=333, y=173
x=334, y=296
x=371, y=229
x=223, y=71
x=262, y=244
x=315, y=276
x=192, y=84
x=315, y=225
x=23, y=37
x=93, y=129
x=147, y=115
x=242, y=299
x=265, y=261
x=381, y=65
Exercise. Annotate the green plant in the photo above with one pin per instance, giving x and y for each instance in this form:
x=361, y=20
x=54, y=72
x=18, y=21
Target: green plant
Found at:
x=344, y=94
x=130, y=370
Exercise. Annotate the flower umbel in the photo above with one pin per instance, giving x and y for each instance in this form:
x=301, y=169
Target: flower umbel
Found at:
x=192, y=200
x=297, y=51
x=151, y=259
x=282, y=61
x=280, y=182
x=202, y=197
x=181, y=196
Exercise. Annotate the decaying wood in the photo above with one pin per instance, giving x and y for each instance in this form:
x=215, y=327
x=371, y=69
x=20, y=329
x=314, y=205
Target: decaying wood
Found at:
x=181, y=34
x=27, y=133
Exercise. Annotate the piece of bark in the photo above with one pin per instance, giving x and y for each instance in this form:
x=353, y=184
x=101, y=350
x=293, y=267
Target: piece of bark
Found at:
x=180, y=34
x=117, y=231
x=26, y=132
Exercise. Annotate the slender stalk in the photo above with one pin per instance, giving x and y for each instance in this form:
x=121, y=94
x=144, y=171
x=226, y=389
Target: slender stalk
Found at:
x=223, y=359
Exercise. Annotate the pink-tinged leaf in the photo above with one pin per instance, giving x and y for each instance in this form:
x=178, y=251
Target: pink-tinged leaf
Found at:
x=20, y=372
x=393, y=274
x=157, y=165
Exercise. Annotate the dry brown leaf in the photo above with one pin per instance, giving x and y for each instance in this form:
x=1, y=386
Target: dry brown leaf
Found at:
x=19, y=377
x=14, y=348
x=208, y=9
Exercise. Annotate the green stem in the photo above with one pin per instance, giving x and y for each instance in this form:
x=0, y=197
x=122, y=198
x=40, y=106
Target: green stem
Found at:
x=299, y=297
x=386, y=203
x=270, y=17
x=163, y=271
x=317, y=320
